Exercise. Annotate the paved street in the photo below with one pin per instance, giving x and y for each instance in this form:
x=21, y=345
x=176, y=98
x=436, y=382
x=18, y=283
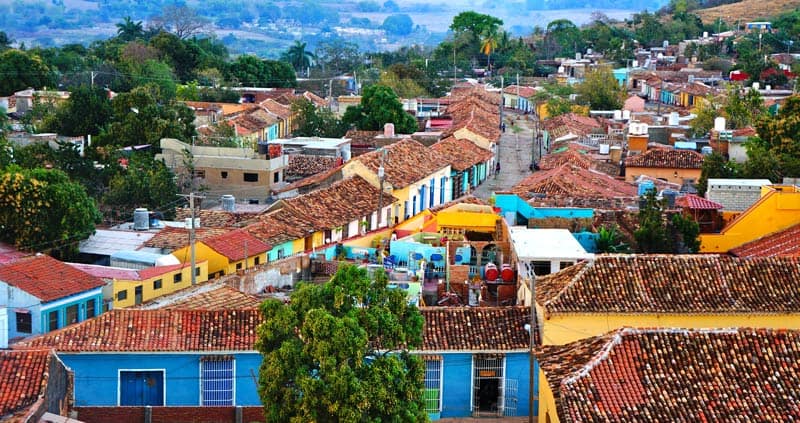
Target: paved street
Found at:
x=515, y=149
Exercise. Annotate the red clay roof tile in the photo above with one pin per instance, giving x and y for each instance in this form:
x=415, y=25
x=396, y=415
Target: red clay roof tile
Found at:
x=461, y=154
x=673, y=284
x=676, y=375
x=406, y=162
x=131, y=330
x=23, y=379
x=694, y=202
x=236, y=245
x=781, y=243
x=666, y=158
x=47, y=278
x=475, y=328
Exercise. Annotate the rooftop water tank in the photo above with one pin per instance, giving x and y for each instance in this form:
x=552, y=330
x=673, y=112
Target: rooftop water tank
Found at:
x=673, y=119
x=490, y=272
x=646, y=186
x=719, y=124
x=141, y=219
x=507, y=273
x=669, y=195
x=604, y=148
x=617, y=114
x=229, y=203
x=706, y=150
x=626, y=114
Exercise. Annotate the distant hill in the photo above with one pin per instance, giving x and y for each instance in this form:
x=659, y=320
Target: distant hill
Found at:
x=747, y=10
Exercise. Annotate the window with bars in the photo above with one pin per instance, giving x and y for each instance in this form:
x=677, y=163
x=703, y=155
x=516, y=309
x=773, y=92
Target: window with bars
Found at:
x=433, y=385
x=216, y=381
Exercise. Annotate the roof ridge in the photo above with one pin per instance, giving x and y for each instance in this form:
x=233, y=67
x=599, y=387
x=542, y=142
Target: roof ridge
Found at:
x=586, y=265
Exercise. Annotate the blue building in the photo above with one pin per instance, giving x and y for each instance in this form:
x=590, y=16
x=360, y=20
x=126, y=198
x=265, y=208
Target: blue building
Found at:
x=39, y=294
x=477, y=361
x=130, y=357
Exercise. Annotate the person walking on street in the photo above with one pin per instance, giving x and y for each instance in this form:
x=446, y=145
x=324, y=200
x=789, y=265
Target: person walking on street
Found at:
x=497, y=169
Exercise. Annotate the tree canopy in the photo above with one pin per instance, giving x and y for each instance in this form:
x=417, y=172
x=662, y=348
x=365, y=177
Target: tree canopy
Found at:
x=659, y=232
x=600, y=90
x=21, y=70
x=338, y=352
x=42, y=210
x=379, y=106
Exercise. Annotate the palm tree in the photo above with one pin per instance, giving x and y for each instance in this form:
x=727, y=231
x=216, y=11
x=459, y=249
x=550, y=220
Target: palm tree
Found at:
x=488, y=45
x=299, y=57
x=128, y=30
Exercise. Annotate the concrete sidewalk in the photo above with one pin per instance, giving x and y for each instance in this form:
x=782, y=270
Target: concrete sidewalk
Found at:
x=514, y=153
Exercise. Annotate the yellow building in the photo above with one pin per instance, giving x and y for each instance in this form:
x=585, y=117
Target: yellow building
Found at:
x=132, y=287
x=676, y=166
x=227, y=253
x=663, y=291
x=415, y=175
x=778, y=209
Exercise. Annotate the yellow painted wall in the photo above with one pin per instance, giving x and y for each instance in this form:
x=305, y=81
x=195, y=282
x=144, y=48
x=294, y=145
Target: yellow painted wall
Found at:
x=637, y=143
x=775, y=211
x=477, y=139
x=298, y=246
x=565, y=328
x=168, y=285
x=547, y=401
x=366, y=241
x=631, y=173
x=467, y=220
x=541, y=111
x=216, y=261
x=250, y=262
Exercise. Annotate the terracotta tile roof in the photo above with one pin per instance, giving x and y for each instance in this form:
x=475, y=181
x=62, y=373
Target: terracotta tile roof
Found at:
x=694, y=202
x=475, y=328
x=561, y=125
x=312, y=180
x=280, y=226
x=573, y=181
x=745, y=132
x=106, y=272
x=47, y=278
x=339, y=204
x=226, y=108
x=172, y=239
x=568, y=156
x=362, y=138
x=781, y=243
x=131, y=330
x=469, y=105
x=307, y=165
x=216, y=218
x=461, y=154
x=263, y=116
x=696, y=89
x=205, y=296
x=523, y=91
x=666, y=158
x=23, y=379
x=676, y=375
x=406, y=162
x=487, y=128
x=673, y=284
x=315, y=99
x=272, y=106
x=236, y=245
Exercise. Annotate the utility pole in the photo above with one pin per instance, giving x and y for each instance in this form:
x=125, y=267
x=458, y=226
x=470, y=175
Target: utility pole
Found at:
x=502, y=86
x=193, y=257
x=381, y=177
x=92, y=74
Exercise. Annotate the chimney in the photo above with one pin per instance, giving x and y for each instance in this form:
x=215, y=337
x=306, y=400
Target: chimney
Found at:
x=388, y=130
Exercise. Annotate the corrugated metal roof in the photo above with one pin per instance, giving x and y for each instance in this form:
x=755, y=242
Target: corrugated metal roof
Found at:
x=106, y=242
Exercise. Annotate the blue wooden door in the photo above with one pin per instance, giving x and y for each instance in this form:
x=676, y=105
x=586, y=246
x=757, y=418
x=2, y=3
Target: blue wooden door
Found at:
x=142, y=388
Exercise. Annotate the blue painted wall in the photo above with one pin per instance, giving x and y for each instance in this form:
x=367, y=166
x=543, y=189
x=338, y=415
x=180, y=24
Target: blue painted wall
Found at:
x=457, y=382
x=60, y=306
x=97, y=384
x=286, y=247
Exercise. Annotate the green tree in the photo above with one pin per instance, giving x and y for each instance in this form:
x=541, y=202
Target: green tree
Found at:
x=600, y=90
x=404, y=80
x=5, y=41
x=658, y=233
x=558, y=106
x=338, y=352
x=776, y=152
x=715, y=166
x=398, y=24
x=566, y=37
x=314, y=122
x=138, y=118
x=86, y=112
x=42, y=210
x=21, y=70
x=299, y=57
x=253, y=72
x=475, y=23
x=379, y=106
x=743, y=110
x=182, y=55
x=609, y=240
x=144, y=183
x=128, y=30
x=705, y=114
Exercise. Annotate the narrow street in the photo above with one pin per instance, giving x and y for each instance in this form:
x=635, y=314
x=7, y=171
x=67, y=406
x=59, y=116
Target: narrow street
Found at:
x=514, y=153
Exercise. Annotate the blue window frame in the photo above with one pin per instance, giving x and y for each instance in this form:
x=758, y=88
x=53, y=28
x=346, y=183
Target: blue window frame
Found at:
x=216, y=381
x=441, y=191
x=433, y=191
